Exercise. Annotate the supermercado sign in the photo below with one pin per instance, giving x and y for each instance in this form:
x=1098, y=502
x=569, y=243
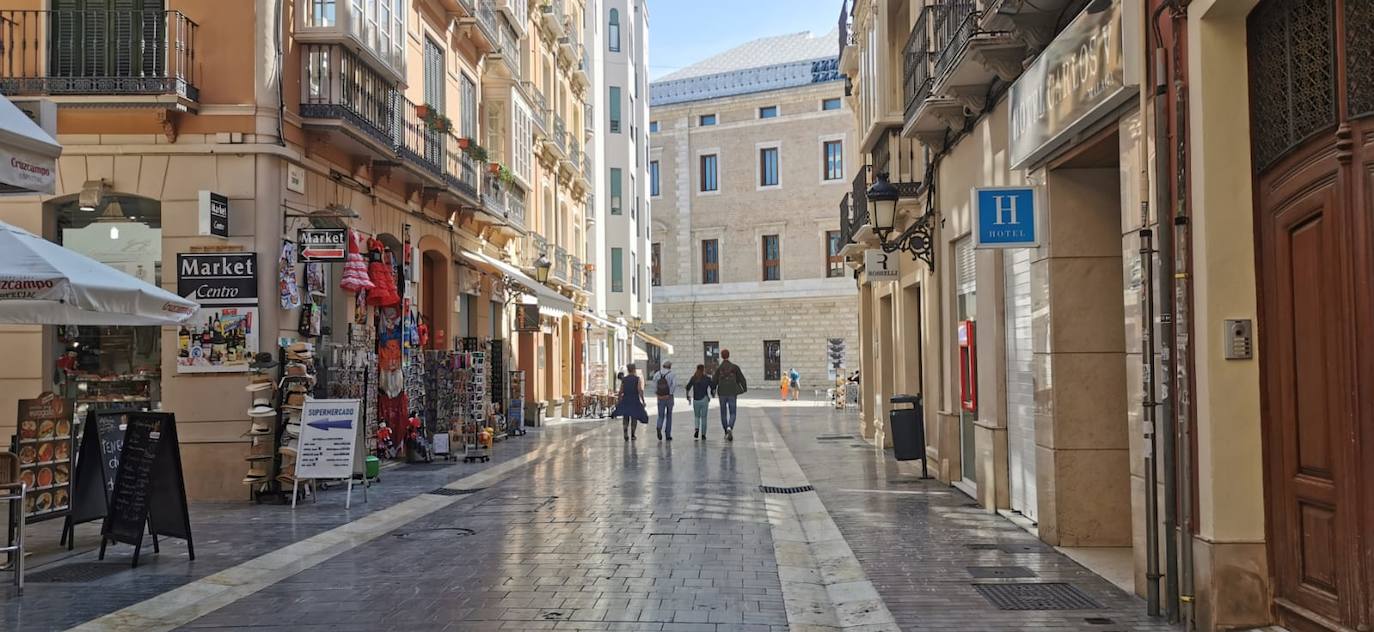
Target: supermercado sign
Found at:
x=1081, y=76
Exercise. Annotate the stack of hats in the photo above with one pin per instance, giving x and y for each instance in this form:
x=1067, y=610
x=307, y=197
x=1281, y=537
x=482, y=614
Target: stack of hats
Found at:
x=261, y=415
x=295, y=387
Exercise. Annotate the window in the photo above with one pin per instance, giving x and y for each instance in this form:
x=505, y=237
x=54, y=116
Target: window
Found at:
x=768, y=167
x=656, y=265
x=708, y=173
x=613, y=31
x=710, y=261
x=616, y=186
x=653, y=127
x=772, y=268
x=634, y=274
x=617, y=270
x=710, y=355
x=468, y=101
x=706, y=120
x=653, y=178
x=772, y=360
x=768, y=111
x=834, y=263
x=833, y=155
x=832, y=103
x=615, y=109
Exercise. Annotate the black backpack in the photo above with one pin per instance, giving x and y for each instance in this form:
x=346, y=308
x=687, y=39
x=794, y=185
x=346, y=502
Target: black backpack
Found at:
x=661, y=389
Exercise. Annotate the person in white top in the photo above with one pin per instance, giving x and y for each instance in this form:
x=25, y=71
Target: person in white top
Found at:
x=665, y=384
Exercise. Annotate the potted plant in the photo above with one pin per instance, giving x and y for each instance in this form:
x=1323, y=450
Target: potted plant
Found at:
x=495, y=168
x=477, y=152
x=464, y=143
x=506, y=175
x=424, y=112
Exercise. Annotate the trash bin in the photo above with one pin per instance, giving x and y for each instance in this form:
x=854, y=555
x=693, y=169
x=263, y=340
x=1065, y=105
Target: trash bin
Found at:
x=908, y=427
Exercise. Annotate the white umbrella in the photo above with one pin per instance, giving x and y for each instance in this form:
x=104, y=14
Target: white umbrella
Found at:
x=44, y=283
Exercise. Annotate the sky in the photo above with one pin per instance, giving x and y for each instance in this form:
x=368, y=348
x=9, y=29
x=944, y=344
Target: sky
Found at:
x=685, y=31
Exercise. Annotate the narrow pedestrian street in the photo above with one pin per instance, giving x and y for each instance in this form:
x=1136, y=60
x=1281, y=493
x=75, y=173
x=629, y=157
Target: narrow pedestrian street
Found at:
x=572, y=527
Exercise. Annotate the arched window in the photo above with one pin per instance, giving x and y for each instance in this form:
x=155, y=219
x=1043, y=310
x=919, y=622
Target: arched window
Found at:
x=613, y=32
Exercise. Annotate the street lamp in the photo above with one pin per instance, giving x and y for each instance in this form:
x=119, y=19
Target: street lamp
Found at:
x=541, y=269
x=916, y=239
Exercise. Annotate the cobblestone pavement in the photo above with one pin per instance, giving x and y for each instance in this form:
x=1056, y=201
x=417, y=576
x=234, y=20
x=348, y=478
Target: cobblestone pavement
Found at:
x=592, y=533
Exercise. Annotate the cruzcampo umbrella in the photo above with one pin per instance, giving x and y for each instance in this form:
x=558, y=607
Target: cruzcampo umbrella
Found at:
x=44, y=283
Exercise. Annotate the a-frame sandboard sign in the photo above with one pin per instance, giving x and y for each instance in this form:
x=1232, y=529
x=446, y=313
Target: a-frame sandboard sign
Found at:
x=148, y=486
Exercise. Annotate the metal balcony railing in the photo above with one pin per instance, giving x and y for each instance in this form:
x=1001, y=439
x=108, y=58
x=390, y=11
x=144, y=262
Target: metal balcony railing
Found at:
x=98, y=52
x=577, y=271
x=846, y=231
x=337, y=84
x=416, y=140
x=494, y=197
x=560, y=263
x=858, y=196
x=916, y=76
x=539, y=106
x=560, y=133
x=515, y=206
x=460, y=170
x=540, y=247
x=575, y=155
x=955, y=23
x=553, y=13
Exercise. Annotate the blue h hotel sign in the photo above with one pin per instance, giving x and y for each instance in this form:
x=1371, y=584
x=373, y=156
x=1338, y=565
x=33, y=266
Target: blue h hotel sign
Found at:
x=1005, y=217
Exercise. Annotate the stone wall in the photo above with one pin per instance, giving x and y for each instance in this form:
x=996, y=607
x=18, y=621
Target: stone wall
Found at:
x=803, y=326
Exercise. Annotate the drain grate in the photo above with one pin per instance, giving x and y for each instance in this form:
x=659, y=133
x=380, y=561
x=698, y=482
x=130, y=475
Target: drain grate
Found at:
x=440, y=533
x=1039, y=549
x=999, y=572
x=448, y=491
x=1099, y=621
x=1049, y=596
x=77, y=573
x=834, y=437
x=770, y=489
x=983, y=546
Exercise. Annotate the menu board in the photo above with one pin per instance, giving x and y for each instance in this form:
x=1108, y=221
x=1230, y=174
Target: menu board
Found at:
x=97, y=463
x=328, y=437
x=44, y=445
x=148, y=485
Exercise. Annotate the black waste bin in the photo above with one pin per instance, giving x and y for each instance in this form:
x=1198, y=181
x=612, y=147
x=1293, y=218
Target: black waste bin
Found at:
x=907, y=421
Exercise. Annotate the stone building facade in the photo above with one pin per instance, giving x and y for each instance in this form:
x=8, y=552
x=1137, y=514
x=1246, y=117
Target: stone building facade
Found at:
x=748, y=151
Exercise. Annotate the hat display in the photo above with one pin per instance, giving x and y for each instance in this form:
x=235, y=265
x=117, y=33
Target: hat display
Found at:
x=259, y=428
x=262, y=410
x=262, y=362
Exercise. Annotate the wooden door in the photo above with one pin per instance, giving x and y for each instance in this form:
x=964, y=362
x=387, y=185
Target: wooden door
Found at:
x=1310, y=103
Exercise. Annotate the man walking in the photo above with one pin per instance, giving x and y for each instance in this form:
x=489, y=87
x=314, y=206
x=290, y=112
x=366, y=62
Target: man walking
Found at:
x=730, y=384
x=665, y=382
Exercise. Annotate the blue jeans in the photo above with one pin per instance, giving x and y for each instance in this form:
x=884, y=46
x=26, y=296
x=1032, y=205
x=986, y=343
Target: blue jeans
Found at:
x=699, y=408
x=665, y=415
x=727, y=412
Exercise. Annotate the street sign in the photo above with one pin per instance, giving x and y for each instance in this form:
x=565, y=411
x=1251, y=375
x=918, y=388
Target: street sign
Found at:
x=1005, y=217
x=322, y=244
x=880, y=266
x=214, y=215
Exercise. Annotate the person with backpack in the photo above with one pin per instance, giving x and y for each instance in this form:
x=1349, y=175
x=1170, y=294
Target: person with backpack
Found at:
x=699, y=393
x=794, y=383
x=665, y=382
x=730, y=384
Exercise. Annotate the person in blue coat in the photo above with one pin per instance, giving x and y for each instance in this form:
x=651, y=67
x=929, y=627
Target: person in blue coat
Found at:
x=631, y=406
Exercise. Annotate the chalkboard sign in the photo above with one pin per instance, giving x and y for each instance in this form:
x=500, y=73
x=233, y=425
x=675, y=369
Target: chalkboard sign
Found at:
x=148, y=486
x=97, y=462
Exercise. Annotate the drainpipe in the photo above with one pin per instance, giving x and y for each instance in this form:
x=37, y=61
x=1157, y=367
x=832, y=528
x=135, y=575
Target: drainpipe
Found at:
x=1183, y=352
x=1148, y=411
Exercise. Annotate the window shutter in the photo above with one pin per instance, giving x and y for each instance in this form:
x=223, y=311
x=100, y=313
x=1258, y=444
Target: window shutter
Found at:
x=66, y=43
x=965, y=281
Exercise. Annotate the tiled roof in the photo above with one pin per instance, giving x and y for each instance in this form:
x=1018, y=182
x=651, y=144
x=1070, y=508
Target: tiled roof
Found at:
x=769, y=63
x=765, y=51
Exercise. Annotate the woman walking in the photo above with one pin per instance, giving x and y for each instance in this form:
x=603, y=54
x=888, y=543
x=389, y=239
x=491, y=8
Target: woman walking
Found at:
x=699, y=393
x=631, y=406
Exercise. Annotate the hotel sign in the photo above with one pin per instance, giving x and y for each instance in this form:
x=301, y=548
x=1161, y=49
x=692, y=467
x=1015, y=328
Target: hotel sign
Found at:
x=1081, y=76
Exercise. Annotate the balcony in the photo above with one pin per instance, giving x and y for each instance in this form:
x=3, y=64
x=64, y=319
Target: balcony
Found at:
x=968, y=57
x=505, y=202
x=579, y=74
x=560, y=137
x=536, y=246
x=1034, y=24
x=917, y=77
x=504, y=42
x=553, y=18
x=560, y=264
x=515, y=12
x=381, y=45
x=578, y=272
x=588, y=115
x=569, y=42
x=101, y=57
x=539, y=108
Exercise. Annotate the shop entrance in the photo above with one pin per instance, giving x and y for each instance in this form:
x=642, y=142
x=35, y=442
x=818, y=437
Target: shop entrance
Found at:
x=1312, y=152
x=112, y=367
x=434, y=296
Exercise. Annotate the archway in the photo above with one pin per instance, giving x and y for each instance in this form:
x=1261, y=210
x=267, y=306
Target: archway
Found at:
x=435, y=290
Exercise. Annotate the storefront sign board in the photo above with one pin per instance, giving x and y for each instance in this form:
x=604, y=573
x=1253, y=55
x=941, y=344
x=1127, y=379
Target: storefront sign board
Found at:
x=1005, y=217
x=214, y=215
x=1081, y=76
x=880, y=266
x=328, y=439
x=322, y=244
x=223, y=334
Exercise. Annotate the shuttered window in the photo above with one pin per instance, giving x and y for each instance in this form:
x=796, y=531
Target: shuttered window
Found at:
x=108, y=38
x=965, y=281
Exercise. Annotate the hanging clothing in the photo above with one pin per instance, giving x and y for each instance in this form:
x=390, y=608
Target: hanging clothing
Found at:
x=286, y=277
x=355, y=274
x=379, y=270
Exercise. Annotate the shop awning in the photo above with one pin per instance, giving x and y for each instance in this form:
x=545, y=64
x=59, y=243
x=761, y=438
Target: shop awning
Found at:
x=28, y=155
x=598, y=321
x=550, y=303
x=655, y=342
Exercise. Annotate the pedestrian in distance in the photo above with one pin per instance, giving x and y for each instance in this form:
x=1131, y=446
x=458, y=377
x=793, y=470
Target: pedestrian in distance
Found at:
x=782, y=387
x=794, y=383
x=631, y=406
x=729, y=385
x=699, y=394
x=665, y=382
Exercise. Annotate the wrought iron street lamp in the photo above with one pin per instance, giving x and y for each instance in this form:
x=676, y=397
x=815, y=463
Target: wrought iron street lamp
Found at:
x=916, y=239
x=541, y=269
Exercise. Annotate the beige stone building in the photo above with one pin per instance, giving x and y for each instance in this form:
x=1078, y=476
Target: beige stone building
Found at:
x=1101, y=384
x=749, y=149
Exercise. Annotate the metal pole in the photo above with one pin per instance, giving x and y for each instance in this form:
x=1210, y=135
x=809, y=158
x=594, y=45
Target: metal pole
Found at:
x=1167, y=411
x=1147, y=405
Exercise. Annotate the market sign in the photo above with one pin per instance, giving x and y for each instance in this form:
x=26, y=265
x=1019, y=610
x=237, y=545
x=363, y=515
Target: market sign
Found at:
x=1081, y=76
x=880, y=266
x=322, y=244
x=1005, y=217
x=222, y=336
x=214, y=215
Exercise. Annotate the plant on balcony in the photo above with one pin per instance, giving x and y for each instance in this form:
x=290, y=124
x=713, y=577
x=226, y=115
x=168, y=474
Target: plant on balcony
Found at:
x=495, y=168
x=505, y=175
x=433, y=119
x=464, y=143
x=476, y=152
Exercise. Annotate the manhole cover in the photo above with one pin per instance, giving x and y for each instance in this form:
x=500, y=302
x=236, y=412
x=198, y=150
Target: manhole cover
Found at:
x=441, y=533
x=77, y=573
x=446, y=491
x=1025, y=548
x=833, y=437
x=1052, y=596
x=999, y=572
x=770, y=489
